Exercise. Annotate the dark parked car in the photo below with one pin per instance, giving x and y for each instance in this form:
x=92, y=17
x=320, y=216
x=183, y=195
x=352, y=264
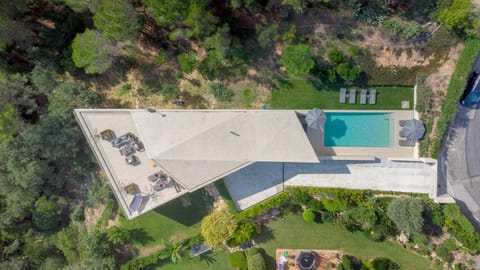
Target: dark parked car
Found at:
x=123, y=140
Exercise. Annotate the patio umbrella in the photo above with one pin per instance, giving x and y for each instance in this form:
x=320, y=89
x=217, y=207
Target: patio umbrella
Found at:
x=316, y=118
x=414, y=130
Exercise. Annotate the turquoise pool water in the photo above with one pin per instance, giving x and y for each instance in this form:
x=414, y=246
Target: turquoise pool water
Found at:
x=354, y=129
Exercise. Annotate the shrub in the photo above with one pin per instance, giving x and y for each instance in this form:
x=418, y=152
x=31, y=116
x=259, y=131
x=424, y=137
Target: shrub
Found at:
x=450, y=244
x=297, y=60
x=187, y=61
x=348, y=72
x=336, y=56
x=237, y=260
x=267, y=35
x=315, y=205
x=245, y=232
x=161, y=57
x=248, y=96
x=255, y=260
x=384, y=264
x=406, y=213
x=220, y=91
x=347, y=262
x=309, y=215
x=328, y=217
x=299, y=196
x=290, y=35
x=170, y=92
x=444, y=254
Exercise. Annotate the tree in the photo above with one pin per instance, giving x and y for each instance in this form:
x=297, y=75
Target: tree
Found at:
x=219, y=43
x=175, y=250
x=267, y=35
x=166, y=12
x=92, y=52
x=8, y=123
x=13, y=29
x=43, y=77
x=221, y=91
x=406, y=213
x=336, y=56
x=187, y=61
x=460, y=18
x=45, y=215
x=348, y=72
x=117, y=20
x=83, y=5
x=297, y=60
x=118, y=235
x=296, y=5
x=218, y=227
x=198, y=20
x=66, y=241
x=245, y=232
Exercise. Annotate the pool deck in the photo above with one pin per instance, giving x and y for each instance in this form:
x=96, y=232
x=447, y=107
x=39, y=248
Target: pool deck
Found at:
x=395, y=151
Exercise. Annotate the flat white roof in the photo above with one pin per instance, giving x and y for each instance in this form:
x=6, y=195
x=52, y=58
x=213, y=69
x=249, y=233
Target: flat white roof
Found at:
x=195, y=147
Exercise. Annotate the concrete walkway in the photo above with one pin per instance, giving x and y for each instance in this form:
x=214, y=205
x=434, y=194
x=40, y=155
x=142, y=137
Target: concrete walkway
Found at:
x=260, y=181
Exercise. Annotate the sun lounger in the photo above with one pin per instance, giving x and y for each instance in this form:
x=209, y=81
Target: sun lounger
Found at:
x=401, y=134
x=352, y=96
x=343, y=95
x=372, y=97
x=402, y=122
x=363, y=96
x=406, y=143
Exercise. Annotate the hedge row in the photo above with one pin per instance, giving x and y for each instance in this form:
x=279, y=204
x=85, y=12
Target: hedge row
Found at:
x=260, y=208
x=142, y=262
x=455, y=89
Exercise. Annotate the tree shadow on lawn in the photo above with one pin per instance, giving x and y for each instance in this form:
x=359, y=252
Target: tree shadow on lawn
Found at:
x=270, y=261
x=141, y=236
x=187, y=215
x=266, y=235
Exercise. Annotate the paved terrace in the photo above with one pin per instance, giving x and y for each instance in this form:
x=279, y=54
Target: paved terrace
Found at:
x=262, y=180
x=119, y=173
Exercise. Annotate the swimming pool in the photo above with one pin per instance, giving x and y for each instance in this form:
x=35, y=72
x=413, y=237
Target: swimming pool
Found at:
x=357, y=129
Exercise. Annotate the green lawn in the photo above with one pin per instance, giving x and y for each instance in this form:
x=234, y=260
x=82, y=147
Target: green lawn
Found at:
x=302, y=94
x=293, y=232
x=169, y=221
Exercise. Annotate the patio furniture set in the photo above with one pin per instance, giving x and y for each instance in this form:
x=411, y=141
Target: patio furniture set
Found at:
x=371, y=95
x=128, y=144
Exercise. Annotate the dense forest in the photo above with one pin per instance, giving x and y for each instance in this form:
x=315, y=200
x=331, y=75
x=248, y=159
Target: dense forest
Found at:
x=57, y=55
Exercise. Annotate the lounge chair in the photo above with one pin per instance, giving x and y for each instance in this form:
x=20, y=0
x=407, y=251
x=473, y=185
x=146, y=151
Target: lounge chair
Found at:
x=352, y=96
x=372, y=97
x=402, y=122
x=343, y=95
x=363, y=96
x=406, y=143
x=401, y=134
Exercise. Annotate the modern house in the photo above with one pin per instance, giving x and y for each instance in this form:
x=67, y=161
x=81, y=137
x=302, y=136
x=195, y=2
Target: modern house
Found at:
x=152, y=157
